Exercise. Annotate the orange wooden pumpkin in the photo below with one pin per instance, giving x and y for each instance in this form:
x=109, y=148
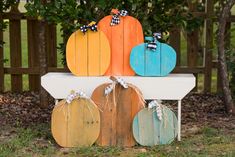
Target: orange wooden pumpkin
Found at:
x=88, y=54
x=118, y=110
x=122, y=37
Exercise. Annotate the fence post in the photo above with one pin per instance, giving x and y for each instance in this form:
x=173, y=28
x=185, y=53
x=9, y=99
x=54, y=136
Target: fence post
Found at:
x=15, y=49
x=51, y=43
x=42, y=60
x=33, y=53
x=193, y=45
x=1, y=58
x=209, y=44
x=175, y=43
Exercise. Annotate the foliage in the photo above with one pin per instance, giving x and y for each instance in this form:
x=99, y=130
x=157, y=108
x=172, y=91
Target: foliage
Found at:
x=4, y=5
x=158, y=15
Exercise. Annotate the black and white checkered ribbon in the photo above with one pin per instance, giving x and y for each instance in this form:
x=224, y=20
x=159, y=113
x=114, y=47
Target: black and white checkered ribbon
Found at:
x=110, y=87
x=116, y=17
x=153, y=44
x=156, y=104
x=85, y=28
x=76, y=94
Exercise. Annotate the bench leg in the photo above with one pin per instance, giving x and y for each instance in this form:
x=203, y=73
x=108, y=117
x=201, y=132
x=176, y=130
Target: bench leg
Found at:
x=179, y=120
x=56, y=101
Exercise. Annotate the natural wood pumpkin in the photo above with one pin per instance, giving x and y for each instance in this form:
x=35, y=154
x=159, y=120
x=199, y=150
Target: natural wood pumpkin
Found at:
x=75, y=124
x=88, y=54
x=118, y=110
x=122, y=37
x=146, y=62
x=148, y=130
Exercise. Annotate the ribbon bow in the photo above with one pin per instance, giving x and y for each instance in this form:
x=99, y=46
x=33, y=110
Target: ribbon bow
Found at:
x=157, y=104
x=153, y=45
x=110, y=87
x=74, y=95
x=92, y=26
x=116, y=16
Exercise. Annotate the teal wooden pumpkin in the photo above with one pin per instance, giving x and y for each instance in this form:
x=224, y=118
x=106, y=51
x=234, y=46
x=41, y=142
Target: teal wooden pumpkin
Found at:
x=148, y=130
x=147, y=62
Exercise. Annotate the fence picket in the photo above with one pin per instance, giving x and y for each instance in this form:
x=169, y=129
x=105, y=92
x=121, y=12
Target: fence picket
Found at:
x=33, y=54
x=15, y=50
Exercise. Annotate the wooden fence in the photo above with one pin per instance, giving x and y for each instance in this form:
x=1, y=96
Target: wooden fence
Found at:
x=194, y=50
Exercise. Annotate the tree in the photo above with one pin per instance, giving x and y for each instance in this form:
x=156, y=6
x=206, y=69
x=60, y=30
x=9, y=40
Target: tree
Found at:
x=223, y=71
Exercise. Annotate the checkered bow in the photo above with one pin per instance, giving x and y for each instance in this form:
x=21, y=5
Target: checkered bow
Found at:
x=153, y=44
x=116, y=16
x=92, y=27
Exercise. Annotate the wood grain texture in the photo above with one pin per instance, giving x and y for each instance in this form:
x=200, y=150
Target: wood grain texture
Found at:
x=146, y=62
x=116, y=118
x=122, y=37
x=148, y=130
x=88, y=54
x=75, y=124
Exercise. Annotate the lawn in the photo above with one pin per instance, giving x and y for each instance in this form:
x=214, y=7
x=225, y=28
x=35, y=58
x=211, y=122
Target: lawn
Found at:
x=37, y=141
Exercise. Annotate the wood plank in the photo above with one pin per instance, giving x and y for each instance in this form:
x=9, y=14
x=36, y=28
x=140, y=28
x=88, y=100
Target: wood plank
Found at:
x=107, y=135
x=15, y=51
x=51, y=43
x=42, y=60
x=117, y=115
x=209, y=45
x=159, y=62
x=1, y=59
x=150, y=131
x=121, y=43
x=195, y=70
x=174, y=40
x=83, y=53
x=33, y=54
x=75, y=124
x=94, y=55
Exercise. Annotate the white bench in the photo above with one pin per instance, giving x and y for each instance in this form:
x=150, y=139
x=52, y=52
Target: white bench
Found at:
x=171, y=87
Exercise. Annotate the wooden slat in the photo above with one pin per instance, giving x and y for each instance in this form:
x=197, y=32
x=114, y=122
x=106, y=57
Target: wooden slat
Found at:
x=175, y=43
x=16, y=71
x=15, y=51
x=51, y=45
x=42, y=60
x=1, y=60
x=194, y=70
x=32, y=70
x=33, y=54
x=209, y=46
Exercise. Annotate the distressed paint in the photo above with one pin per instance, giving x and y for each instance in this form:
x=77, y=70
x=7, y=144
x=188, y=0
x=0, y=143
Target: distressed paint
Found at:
x=146, y=62
x=117, y=112
x=76, y=124
x=88, y=54
x=122, y=37
x=148, y=130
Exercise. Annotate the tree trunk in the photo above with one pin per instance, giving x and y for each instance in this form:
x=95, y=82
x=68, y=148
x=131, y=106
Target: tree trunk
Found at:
x=223, y=71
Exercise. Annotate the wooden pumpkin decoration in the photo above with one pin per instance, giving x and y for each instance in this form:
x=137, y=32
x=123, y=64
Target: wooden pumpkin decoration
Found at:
x=119, y=102
x=88, y=51
x=153, y=62
x=123, y=32
x=75, y=121
x=155, y=125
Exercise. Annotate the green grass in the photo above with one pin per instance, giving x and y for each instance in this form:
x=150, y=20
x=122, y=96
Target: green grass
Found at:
x=37, y=141
x=59, y=56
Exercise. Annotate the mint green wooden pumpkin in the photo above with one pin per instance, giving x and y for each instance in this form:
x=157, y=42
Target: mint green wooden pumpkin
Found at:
x=148, y=130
